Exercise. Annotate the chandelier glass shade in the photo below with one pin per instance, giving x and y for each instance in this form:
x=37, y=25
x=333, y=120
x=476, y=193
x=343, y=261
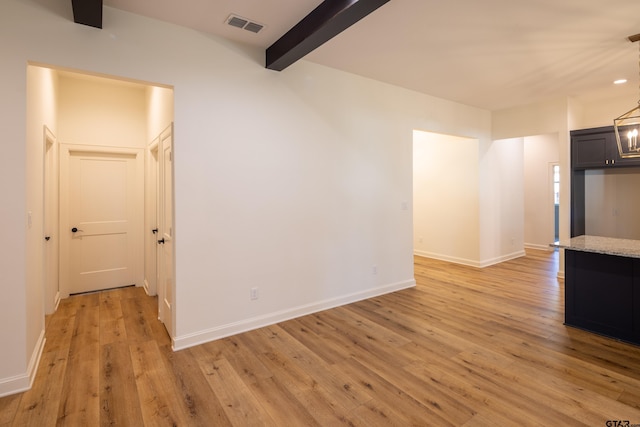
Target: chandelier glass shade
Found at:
x=627, y=127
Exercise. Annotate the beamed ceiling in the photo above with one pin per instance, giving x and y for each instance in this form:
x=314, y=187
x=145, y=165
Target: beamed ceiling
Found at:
x=491, y=54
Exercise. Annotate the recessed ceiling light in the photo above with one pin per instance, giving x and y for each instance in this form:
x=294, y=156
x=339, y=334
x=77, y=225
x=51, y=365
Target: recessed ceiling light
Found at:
x=620, y=81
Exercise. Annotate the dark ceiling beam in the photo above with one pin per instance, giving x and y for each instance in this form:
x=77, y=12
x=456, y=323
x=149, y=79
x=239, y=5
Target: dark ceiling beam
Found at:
x=326, y=21
x=87, y=12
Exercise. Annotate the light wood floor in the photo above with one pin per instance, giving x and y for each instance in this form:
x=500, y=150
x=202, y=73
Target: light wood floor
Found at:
x=465, y=347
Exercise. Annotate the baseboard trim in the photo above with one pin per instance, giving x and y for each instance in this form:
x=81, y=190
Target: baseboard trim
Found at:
x=201, y=337
x=441, y=257
x=503, y=258
x=471, y=263
x=24, y=382
x=539, y=247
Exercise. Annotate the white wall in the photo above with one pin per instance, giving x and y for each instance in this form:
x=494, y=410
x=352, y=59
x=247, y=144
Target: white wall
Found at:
x=293, y=182
x=159, y=110
x=611, y=203
x=602, y=111
x=98, y=111
x=540, y=152
x=445, y=196
x=553, y=116
x=26, y=296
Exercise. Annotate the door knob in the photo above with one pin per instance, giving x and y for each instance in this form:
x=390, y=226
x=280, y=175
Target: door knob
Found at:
x=161, y=241
x=47, y=238
x=154, y=231
x=75, y=229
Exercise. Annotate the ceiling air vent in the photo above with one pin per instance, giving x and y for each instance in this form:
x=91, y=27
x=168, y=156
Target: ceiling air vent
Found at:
x=245, y=24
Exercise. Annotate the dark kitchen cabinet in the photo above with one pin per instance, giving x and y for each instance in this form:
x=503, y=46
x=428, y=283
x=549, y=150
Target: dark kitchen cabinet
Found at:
x=596, y=149
x=591, y=149
x=602, y=294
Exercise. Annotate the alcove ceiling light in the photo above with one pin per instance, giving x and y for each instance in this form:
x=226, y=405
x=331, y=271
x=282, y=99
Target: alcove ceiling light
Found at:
x=627, y=125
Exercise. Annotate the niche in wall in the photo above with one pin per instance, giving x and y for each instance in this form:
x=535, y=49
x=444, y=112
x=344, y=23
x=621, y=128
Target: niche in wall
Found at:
x=445, y=197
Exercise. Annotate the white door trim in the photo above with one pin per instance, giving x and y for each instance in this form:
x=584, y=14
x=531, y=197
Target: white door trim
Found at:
x=50, y=222
x=166, y=252
x=151, y=218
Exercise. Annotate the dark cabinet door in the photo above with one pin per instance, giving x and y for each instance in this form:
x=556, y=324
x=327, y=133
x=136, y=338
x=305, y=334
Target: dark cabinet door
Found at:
x=592, y=151
x=602, y=294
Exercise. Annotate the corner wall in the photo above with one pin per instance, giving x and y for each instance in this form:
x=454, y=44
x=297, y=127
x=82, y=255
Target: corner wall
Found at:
x=537, y=119
x=501, y=201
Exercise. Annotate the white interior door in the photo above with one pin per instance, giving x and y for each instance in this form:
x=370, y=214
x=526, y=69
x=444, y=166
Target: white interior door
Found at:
x=166, y=238
x=100, y=209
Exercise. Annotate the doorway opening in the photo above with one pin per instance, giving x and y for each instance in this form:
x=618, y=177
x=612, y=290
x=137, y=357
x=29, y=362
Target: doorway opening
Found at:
x=555, y=170
x=541, y=191
x=98, y=140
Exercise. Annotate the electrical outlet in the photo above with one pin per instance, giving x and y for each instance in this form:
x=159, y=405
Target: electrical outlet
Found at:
x=254, y=293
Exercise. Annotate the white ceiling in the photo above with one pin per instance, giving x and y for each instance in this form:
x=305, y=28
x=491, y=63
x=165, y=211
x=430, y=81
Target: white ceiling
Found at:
x=491, y=54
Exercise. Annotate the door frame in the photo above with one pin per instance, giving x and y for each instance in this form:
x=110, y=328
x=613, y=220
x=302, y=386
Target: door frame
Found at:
x=166, y=294
x=50, y=225
x=65, y=151
x=152, y=175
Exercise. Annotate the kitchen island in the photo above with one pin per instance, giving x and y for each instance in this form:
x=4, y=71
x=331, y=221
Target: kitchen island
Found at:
x=602, y=286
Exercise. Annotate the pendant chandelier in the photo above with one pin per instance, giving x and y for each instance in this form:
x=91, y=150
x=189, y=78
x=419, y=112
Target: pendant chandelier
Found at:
x=627, y=126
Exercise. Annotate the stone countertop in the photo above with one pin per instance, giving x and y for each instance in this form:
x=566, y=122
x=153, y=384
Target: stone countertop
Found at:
x=602, y=245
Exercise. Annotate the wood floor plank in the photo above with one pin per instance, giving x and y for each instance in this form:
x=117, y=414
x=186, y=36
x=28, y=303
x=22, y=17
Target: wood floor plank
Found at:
x=310, y=381
x=112, y=325
x=401, y=408
x=280, y=403
x=39, y=406
x=159, y=400
x=80, y=404
x=242, y=358
x=137, y=321
x=8, y=408
x=119, y=403
x=327, y=410
x=349, y=394
x=318, y=336
x=379, y=413
x=239, y=403
x=200, y=402
x=61, y=326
